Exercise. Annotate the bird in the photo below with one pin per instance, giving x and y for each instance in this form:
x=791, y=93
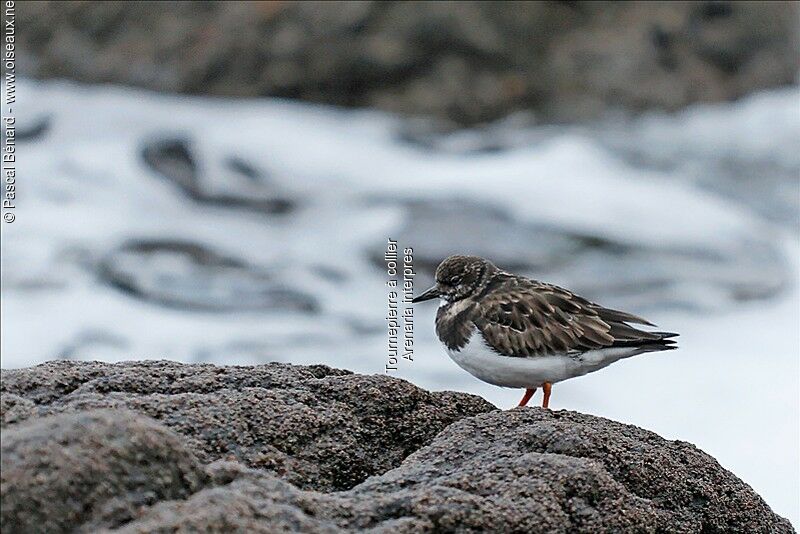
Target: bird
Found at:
x=516, y=332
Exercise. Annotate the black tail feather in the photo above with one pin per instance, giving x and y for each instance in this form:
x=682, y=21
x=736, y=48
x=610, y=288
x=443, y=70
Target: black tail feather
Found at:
x=649, y=341
x=665, y=335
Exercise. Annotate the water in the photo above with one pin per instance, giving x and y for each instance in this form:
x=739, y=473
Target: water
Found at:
x=248, y=231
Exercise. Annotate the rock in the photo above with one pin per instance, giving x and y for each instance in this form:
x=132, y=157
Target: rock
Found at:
x=245, y=168
x=317, y=427
x=91, y=467
x=558, y=471
x=15, y=408
x=438, y=461
x=164, y=447
x=731, y=163
x=548, y=473
x=174, y=160
x=34, y=130
x=466, y=62
x=440, y=227
x=244, y=500
x=625, y=275
x=188, y=275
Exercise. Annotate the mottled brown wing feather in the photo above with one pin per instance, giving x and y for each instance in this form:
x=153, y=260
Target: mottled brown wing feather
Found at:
x=523, y=318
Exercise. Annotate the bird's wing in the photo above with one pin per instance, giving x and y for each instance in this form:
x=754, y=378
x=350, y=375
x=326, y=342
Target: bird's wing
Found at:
x=530, y=318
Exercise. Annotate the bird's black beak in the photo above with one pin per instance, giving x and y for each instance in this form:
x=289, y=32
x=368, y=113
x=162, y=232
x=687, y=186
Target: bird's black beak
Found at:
x=432, y=293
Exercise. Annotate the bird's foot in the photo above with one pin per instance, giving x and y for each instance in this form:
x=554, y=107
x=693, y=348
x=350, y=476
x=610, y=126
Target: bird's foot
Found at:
x=528, y=394
x=547, y=387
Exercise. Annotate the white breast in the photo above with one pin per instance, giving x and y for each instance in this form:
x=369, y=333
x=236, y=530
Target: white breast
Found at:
x=478, y=359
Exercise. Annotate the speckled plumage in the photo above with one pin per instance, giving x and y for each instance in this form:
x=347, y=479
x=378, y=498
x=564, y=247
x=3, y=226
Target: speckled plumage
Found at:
x=551, y=333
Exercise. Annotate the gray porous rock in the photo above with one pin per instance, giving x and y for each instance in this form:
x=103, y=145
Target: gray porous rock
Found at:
x=97, y=467
x=318, y=428
x=463, y=62
x=164, y=447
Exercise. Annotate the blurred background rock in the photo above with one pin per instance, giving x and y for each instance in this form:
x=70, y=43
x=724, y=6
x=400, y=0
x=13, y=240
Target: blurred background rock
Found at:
x=463, y=62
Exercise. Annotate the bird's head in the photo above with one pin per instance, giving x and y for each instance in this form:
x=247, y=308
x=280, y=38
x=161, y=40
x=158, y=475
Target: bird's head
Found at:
x=459, y=277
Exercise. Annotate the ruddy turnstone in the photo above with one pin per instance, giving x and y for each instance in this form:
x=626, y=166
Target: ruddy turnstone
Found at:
x=515, y=332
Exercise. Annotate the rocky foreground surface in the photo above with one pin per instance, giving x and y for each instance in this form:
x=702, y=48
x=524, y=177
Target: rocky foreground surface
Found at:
x=167, y=447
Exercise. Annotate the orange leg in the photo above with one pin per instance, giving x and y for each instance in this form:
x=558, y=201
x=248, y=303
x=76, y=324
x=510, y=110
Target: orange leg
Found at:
x=547, y=387
x=528, y=394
